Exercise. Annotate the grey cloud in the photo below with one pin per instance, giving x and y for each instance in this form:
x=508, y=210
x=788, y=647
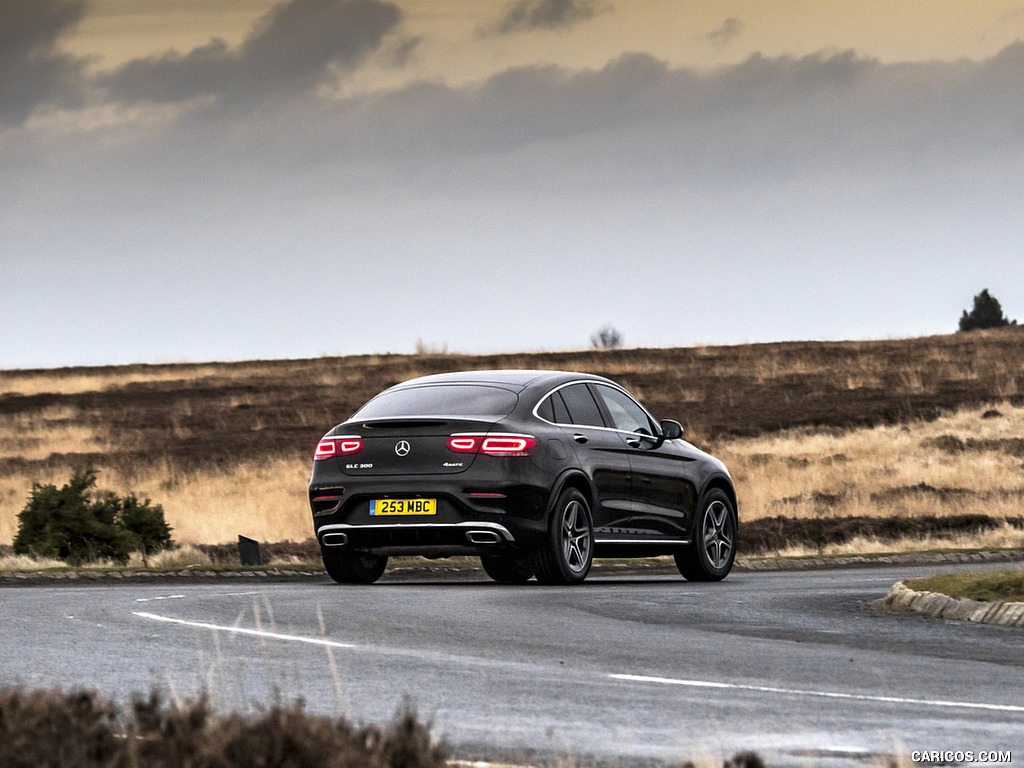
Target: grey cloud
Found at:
x=726, y=32
x=527, y=15
x=402, y=54
x=32, y=72
x=290, y=50
x=637, y=104
x=639, y=122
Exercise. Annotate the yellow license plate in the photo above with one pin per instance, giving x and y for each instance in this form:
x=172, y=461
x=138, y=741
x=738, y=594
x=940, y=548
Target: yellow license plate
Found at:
x=380, y=507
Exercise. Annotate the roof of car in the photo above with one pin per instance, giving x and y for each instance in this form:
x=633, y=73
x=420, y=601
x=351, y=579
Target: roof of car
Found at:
x=514, y=378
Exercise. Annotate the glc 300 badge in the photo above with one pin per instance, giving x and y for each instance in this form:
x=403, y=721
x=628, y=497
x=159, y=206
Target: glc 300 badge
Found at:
x=402, y=448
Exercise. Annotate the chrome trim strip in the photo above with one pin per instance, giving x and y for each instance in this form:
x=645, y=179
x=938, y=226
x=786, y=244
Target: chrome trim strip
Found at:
x=643, y=541
x=611, y=384
x=497, y=528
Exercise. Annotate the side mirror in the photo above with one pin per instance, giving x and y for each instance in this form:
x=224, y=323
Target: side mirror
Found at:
x=671, y=430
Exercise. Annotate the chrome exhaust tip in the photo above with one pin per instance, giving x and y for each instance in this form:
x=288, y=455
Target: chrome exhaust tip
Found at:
x=483, y=537
x=334, y=539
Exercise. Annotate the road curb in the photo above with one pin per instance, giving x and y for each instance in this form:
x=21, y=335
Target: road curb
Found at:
x=878, y=561
x=466, y=571
x=902, y=598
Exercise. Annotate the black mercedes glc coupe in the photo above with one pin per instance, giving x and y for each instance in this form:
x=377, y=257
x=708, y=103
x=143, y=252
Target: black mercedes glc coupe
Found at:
x=535, y=472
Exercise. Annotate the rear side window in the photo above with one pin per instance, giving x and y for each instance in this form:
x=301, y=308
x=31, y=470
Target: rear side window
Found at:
x=561, y=412
x=440, y=400
x=553, y=409
x=546, y=410
x=581, y=407
x=626, y=413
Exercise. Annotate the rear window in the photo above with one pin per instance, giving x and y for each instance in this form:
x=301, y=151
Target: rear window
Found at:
x=440, y=400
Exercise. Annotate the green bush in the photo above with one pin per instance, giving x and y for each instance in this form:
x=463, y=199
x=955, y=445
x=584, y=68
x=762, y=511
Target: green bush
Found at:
x=69, y=524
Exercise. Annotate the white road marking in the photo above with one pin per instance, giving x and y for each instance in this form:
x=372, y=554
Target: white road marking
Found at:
x=161, y=597
x=322, y=641
x=819, y=694
x=239, y=594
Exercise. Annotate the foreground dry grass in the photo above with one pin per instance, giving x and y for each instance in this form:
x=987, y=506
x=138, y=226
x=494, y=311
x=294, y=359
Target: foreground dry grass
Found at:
x=809, y=430
x=51, y=727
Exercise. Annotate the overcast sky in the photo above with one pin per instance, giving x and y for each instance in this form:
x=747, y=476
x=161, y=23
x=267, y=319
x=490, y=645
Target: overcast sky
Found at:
x=192, y=180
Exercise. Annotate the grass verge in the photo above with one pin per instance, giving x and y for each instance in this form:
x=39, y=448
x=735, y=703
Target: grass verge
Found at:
x=985, y=587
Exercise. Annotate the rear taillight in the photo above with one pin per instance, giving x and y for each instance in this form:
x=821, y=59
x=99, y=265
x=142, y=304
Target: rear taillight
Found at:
x=332, y=447
x=508, y=445
x=493, y=445
x=464, y=443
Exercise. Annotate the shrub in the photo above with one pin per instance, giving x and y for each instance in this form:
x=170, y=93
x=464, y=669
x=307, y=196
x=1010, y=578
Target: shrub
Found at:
x=987, y=313
x=144, y=523
x=69, y=524
x=83, y=729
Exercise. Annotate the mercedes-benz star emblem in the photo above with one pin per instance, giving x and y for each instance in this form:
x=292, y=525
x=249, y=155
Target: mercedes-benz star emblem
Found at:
x=402, y=448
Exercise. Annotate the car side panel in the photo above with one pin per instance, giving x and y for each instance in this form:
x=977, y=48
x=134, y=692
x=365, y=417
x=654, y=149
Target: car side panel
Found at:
x=604, y=457
x=665, y=489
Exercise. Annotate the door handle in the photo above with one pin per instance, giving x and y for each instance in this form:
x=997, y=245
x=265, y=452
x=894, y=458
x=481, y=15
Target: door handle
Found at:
x=581, y=439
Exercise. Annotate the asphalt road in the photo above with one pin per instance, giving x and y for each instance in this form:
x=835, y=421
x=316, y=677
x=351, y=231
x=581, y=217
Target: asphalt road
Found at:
x=622, y=671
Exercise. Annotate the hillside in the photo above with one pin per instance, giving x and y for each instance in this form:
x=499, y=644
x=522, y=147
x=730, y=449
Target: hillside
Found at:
x=225, y=439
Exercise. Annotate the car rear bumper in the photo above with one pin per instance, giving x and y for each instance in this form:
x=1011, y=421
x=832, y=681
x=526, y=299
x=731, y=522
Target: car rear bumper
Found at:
x=471, y=520
x=429, y=539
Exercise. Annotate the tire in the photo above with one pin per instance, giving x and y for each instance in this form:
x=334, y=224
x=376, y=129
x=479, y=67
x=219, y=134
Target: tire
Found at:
x=505, y=569
x=711, y=554
x=353, y=567
x=566, y=556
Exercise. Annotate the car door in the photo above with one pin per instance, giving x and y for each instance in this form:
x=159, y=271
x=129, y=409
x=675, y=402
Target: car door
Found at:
x=664, y=487
x=601, y=452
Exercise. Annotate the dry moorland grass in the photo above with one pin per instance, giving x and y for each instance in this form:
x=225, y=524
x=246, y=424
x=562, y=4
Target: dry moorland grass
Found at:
x=966, y=461
x=809, y=430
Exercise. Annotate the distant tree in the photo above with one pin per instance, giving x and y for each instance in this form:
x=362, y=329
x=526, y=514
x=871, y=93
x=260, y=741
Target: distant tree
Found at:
x=423, y=349
x=987, y=313
x=607, y=337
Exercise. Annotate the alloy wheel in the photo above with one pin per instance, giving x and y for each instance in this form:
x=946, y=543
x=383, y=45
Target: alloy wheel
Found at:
x=576, y=537
x=718, y=534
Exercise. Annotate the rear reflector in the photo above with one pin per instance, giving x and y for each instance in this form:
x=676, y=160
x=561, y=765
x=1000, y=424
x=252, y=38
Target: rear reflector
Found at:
x=493, y=445
x=331, y=447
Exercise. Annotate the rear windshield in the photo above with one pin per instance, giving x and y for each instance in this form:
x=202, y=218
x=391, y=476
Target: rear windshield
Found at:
x=440, y=400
